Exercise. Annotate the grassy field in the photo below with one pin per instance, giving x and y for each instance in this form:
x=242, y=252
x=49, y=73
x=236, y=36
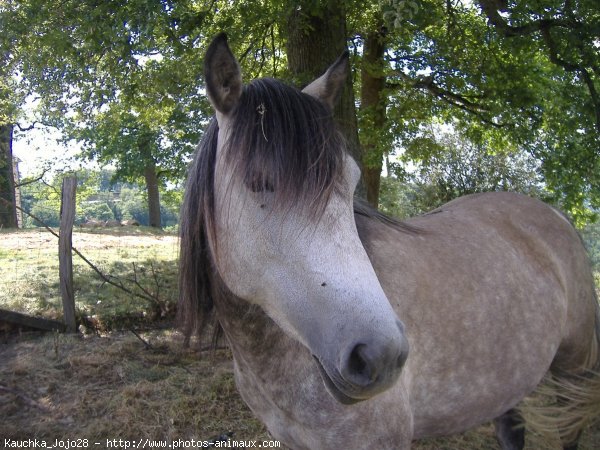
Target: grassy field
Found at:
x=143, y=261
x=117, y=385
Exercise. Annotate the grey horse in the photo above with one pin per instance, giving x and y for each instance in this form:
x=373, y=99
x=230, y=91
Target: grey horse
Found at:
x=353, y=330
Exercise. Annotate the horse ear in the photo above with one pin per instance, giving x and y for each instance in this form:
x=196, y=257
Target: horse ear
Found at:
x=328, y=86
x=222, y=74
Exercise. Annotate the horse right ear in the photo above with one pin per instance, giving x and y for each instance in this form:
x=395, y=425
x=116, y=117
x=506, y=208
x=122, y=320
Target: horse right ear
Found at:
x=222, y=74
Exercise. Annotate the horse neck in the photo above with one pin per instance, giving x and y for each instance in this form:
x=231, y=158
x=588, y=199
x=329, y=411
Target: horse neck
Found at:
x=252, y=335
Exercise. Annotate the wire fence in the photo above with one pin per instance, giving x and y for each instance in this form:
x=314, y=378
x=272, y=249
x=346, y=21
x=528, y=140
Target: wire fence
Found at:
x=124, y=274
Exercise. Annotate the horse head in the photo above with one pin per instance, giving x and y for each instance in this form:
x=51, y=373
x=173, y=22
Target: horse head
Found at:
x=283, y=235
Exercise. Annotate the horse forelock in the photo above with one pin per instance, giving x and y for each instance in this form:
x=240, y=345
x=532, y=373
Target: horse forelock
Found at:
x=285, y=142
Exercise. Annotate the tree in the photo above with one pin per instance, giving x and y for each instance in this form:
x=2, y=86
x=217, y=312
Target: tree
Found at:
x=113, y=70
x=8, y=214
x=8, y=112
x=316, y=36
x=106, y=138
x=568, y=32
x=373, y=117
x=526, y=73
x=523, y=74
x=453, y=166
x=459, y=167
x=429, y=62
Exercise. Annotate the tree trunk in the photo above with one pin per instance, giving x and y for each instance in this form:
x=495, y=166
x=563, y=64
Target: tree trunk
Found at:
x=153, y=195
x=316, y=37
x=8, y=214
x=372, y=105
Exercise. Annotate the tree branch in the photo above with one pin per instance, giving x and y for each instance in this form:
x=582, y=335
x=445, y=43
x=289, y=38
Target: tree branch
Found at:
x=544, y=27
x=457, y=100
x=490, y=9
x=29, y=181
x=30, y=127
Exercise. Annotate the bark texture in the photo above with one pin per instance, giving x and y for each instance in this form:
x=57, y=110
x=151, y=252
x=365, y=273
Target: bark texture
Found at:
x=372, y=105
x=316, y=37
x=8, y=214
x=153, y=195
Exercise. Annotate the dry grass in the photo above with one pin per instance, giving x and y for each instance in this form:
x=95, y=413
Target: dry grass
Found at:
x=115, y=387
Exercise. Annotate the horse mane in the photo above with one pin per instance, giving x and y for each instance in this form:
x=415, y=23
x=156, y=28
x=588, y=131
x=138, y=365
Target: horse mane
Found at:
x=365, y=210
x=282, y=141
x=195, y=304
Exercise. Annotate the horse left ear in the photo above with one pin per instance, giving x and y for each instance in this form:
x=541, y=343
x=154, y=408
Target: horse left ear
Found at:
x=223, y=75
x=328, y=86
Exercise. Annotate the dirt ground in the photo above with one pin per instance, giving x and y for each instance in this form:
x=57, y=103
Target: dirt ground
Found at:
x=121, y=386
x=118, y=386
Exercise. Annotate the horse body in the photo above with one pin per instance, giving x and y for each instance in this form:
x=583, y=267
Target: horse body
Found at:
x=495, y=290
x=320, y=299
x=485, y=297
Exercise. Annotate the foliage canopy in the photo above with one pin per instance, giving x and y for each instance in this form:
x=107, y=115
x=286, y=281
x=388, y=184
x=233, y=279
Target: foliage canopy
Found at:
x=514, y=79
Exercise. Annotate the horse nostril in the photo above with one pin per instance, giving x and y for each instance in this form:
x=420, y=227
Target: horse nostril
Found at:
x=357, y=362
x=361, y=370
x=368, y=366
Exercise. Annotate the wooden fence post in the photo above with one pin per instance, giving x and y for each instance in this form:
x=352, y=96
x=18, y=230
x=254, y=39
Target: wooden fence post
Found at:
x=65, y=255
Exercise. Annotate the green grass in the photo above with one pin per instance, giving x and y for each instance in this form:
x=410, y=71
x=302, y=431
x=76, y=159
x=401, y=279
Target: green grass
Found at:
x=141, y=260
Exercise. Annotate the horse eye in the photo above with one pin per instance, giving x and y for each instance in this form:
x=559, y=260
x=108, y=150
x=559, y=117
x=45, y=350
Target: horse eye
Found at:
x=260, y=184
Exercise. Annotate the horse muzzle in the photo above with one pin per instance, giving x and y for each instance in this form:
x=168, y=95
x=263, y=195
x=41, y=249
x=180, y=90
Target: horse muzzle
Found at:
x=366, y=368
